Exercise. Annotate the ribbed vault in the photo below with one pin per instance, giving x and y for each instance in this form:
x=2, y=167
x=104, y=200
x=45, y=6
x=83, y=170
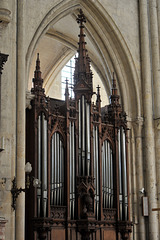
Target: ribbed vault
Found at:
x=107, y=49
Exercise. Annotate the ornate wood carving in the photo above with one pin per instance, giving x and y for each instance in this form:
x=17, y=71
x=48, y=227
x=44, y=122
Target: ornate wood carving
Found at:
x=58, y=212
x=109, y=214
x=83, y=129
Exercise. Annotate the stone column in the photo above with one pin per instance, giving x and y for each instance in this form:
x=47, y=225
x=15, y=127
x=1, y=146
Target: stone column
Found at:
x=155, y=30
x=157, y=148
x=155, y=55
x=149, y=146
x=138, y=125
x=20, y=174
x=133, y=181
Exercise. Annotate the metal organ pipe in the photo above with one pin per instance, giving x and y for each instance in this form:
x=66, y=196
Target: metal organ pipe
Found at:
x=39, y=168
x=72, y=169
x=103, y=167
x=107, y=175
x=60, y=174
x=58, y=166
x=84, y=147
x=44, y=165
x=83, y=136
x=71, y=176
x=123, y=195
x=124, y=175
x=57, y=170
x=79, y=148
x=112, y=177
x=95, y=175
x=52, y=169
x=96, y=169
x=88, y=137
x=62, y=178
x=120, y=174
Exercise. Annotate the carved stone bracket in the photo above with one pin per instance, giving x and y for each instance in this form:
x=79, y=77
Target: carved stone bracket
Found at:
x=4, y=18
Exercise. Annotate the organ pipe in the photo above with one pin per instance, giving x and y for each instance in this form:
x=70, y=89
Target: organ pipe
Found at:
x=123, y=195
x=57, y=180
x=62, y=178
x=60, y=174
x=39, y=168
x=120, y=175
x=44, y=165
x=84, y=147
x=57, y=170
x=124, y=174
x=79, y=148
x=52, y=169
x=71, y=176
x=83, y=135
x=107, y=175
x=72, y=169
x=112, y=186
x=88, y=137
x=96, y=169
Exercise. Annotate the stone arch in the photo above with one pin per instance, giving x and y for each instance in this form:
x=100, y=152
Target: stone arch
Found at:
x=113, y=50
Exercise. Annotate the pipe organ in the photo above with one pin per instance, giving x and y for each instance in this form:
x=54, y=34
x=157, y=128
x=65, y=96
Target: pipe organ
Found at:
x=78, y=151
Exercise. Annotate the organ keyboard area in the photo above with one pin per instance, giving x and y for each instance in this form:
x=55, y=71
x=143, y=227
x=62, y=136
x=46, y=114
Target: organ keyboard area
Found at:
x=78, y=151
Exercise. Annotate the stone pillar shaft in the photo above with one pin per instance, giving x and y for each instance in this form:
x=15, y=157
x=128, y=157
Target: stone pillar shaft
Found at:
x=149, y=147
x=155, y=24
x=140, y=172
x=149, y=133
x=155, y=55
x=20, y=174
x=133, y=183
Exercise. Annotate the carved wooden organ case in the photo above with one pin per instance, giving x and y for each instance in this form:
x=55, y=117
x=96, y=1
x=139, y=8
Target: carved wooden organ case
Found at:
x=78, y=151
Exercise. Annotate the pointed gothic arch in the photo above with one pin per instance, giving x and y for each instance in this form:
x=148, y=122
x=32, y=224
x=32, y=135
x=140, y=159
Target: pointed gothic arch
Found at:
x=110, y=44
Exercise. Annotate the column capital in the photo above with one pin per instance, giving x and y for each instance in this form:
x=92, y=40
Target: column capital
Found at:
x=137, y=124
